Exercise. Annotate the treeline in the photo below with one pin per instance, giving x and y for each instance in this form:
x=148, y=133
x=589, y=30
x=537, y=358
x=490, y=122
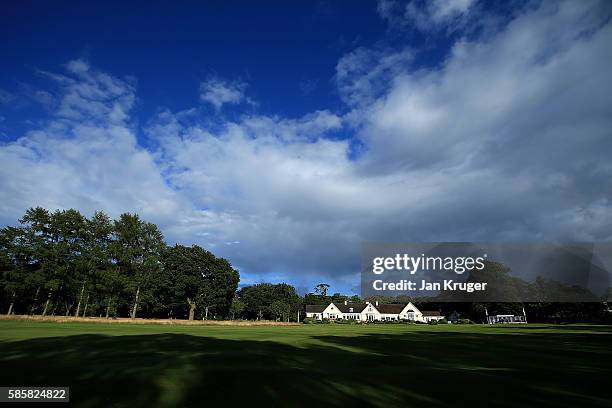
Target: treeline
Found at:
x=544, y=300
x=62, y=263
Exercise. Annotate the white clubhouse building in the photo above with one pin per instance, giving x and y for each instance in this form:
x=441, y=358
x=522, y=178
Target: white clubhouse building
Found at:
x=368, y=312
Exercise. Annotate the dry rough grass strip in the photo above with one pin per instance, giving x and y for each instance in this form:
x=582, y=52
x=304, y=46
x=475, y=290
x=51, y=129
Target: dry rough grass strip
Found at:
x=70, y=319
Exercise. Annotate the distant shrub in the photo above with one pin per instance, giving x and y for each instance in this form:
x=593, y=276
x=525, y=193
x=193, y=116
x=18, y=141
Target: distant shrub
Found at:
x=346, y=321
x=442, y=321
x=388, y=321
x=432, y=322
x=325, y=321
x=309, y=320
x=465, y=321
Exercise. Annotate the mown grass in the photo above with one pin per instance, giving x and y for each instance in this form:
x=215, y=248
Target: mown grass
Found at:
x=326, y=365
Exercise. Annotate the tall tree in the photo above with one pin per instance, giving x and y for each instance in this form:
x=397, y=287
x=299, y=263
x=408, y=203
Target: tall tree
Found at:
x=12, y=275
x=69, y=231
x=95, y=256
x=38, y=242
x=321, y=289
x=200, y=280
x=220, y=284
x=138, y=248
x=185, y=267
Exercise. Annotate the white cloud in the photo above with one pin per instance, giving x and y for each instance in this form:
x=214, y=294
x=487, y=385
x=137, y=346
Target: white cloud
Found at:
x=218, y=92
x=86, y=157
x=507, y=133
x=365, y=74
x=426, y=16
x=526, y=77
x=443, y=10
x=93, y=96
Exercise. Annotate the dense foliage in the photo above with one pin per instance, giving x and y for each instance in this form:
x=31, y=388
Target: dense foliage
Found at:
x=270, y=301
x=64, y=263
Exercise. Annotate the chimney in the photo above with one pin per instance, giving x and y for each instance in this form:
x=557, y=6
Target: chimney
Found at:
x=344, y=302
x=377, y=303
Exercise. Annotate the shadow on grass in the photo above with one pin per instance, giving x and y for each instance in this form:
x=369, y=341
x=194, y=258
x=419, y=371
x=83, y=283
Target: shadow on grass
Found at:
x=385, y=370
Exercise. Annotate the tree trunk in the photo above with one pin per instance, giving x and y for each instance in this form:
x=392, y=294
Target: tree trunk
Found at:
x=68, y=308
x=108, y=306
x=10, y=310
x=78, y=308
x=86, y=305
x=192, y=308
x=206, y=313
x=33, y=308
x=135, y=303
x=46, y=308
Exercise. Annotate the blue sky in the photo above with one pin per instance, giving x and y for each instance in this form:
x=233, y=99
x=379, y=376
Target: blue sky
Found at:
x=286, y=51
x=282, y=135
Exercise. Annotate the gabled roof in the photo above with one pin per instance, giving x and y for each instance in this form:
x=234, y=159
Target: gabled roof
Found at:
x=410, y=307
x=391, y=308
x=357, y=307
x=315, y=308
x=430, y=313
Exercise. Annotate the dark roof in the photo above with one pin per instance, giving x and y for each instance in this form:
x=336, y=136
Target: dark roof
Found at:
x=315, y=308
x=430, y=313
x=357, y=307
x=392, y=308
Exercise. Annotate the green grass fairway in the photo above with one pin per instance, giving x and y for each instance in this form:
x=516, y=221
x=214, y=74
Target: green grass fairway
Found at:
x=129, y=365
